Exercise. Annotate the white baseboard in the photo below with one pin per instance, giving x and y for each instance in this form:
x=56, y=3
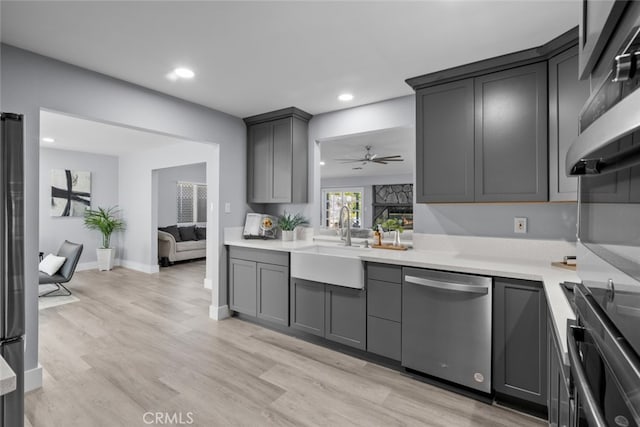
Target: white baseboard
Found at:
x=219, y=313
x=138, y=266
x=33, y=379
x=208, y=283
x=93, y=265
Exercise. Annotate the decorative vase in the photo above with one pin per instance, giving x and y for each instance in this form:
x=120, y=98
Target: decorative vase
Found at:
x=396, y=238
x=288, y=235
x=106, y=258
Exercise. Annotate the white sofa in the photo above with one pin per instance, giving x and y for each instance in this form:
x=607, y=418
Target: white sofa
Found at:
x=180, y=251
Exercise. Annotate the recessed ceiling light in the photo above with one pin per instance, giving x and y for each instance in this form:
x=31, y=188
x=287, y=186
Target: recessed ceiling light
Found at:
x=48, y=139
x=322, y=163
x=345, y=97
x=184, y=73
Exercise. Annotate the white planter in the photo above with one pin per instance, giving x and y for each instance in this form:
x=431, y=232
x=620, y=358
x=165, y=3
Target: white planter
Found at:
x=106, y=258
x=288, y=235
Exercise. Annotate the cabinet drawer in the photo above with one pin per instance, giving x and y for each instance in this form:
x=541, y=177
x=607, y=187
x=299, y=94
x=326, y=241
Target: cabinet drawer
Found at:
x=384, y=337
x=384, y=300
x=259, y=255
x=386, y=273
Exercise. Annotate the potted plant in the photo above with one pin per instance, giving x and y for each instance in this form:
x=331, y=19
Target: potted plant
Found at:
x=106, y=221
x=394, y=224
x=288, y=224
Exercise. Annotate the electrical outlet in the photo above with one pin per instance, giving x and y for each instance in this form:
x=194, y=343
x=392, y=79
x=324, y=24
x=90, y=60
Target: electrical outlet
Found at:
x=519, y=225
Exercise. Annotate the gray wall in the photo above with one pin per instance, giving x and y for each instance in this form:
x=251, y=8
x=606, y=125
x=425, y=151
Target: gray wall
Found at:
x=31, y=82
x=104, y=193
x=167, y=189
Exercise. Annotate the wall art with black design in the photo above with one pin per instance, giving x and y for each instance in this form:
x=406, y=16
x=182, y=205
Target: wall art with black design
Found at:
x=70, y=192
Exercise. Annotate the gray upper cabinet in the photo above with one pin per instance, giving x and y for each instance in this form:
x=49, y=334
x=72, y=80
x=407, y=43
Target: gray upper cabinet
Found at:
x=520, y=340
x=567, y=95
x=511, y=135
x=277, y=156
x=444, y=143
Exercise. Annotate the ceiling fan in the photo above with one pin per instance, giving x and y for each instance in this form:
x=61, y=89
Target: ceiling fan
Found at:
x=373, y=158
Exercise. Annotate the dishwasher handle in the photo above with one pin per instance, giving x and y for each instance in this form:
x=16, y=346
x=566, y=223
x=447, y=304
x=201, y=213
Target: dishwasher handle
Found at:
x=449, y=286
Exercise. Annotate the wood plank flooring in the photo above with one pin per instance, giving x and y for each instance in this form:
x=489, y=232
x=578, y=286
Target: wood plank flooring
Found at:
x=137, y=344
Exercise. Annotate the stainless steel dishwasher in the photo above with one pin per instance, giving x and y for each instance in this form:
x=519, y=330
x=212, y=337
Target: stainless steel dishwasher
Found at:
x=446, y=326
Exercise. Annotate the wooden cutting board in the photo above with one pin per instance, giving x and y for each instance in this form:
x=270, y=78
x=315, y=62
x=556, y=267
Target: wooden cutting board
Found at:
x=563, y=265
x=392, y=247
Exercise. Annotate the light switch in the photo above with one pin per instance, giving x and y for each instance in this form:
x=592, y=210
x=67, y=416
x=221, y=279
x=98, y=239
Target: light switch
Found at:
x=227, y=207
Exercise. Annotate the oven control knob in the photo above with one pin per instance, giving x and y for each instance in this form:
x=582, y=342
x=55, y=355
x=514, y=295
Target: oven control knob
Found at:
x=624, y=67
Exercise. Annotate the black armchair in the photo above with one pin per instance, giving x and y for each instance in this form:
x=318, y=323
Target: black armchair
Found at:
x=71, y=251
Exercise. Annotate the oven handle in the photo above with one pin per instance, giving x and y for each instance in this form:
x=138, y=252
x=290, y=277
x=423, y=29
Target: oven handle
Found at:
x=592, y=412
x=449, y=286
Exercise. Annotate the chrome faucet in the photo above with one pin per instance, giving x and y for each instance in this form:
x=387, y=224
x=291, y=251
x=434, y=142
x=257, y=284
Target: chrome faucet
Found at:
x=347, y=237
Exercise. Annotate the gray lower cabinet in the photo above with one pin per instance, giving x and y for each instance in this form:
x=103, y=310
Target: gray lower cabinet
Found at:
x=273, y=293
x=259, y=283
x=242, y=286
x=559, y=399
x=384, y=310
x=567, y=95
x=346, y=316
x=333, y=312
x=511, y=135
x=307, y=306
x=520, y=340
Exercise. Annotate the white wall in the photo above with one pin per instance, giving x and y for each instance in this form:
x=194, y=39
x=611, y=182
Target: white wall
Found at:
x=104, y=193
x=138, y=178
x=31, y=82
x=168, y=191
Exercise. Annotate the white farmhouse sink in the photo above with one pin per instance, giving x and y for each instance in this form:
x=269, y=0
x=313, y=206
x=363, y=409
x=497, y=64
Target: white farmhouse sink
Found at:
x=336, y=265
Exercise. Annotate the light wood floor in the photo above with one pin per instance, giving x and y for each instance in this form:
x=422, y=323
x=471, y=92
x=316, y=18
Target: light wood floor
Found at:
x=138, y=343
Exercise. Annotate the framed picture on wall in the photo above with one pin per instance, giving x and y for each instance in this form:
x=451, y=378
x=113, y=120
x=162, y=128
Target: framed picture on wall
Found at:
x=70, y=192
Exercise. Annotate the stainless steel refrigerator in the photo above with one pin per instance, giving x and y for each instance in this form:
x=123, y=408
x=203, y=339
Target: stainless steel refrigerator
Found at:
x=12, y=264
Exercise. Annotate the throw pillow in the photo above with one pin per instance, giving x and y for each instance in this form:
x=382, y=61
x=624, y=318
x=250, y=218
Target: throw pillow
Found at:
x=173, y=230
x=201, y=233
x=188, y=233
x=51, y=264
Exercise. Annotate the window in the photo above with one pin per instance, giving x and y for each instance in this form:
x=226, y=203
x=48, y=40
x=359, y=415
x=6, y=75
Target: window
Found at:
x=191, y=201
x=333, y=201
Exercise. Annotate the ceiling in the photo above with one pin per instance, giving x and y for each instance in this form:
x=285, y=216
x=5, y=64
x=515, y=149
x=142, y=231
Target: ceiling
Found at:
x=387, y=142
x=75, y=134
x=254, y=57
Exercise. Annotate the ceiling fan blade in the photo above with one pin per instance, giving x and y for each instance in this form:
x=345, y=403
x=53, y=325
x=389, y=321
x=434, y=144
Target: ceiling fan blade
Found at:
x=391, y=157
x=349, y=160
x=373, y=157
x=383, y=160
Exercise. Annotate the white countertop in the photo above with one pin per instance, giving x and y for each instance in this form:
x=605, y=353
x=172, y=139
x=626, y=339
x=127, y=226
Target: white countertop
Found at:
x=510, y=258
x=7, y=378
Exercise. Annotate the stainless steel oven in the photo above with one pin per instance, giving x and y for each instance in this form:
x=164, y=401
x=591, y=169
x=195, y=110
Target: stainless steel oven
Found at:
x=604, y=344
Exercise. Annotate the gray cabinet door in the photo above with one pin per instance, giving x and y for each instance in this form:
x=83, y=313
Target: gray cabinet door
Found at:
x=384, y=337
x=567, y=95
x=384, y=300
x=511, y=135
x=242, y=286
x=444, y=143
x=346, y=316
x=260, y=166
x=281, y=176
x=273, y=293
x=520, y=340
x=307, y=306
